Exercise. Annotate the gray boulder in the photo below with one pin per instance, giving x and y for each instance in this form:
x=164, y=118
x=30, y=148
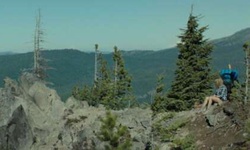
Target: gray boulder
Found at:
x=34, y=117
x=17, y=134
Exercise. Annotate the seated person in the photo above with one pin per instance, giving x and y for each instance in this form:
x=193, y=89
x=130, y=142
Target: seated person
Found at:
x=219, y=97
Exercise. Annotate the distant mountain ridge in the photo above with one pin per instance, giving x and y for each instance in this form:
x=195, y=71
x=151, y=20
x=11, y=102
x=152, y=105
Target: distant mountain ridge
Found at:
x=7, y=53
x=74, y=67
x=229, y=50
x=239, y=37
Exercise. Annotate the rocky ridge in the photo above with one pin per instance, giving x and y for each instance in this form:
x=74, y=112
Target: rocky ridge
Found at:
x=32, y=116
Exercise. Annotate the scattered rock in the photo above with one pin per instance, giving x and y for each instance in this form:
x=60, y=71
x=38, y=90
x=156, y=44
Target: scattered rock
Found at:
x=11, y=86
x=72, y=103
x=211, y=120
x=145, y=123
x=229, y=111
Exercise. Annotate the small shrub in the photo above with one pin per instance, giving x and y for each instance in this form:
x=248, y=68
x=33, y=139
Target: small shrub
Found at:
x=118, y=137
x=247, y=129
x=187, y=143
x=71, y=121
x=166, y=134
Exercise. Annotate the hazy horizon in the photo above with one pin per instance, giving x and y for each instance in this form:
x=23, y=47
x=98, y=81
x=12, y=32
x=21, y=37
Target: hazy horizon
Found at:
x=131, y=25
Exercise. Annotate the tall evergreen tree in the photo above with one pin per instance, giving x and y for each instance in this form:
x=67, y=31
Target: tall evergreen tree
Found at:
x=122, y=83
x=104, y=85
x=192, y=77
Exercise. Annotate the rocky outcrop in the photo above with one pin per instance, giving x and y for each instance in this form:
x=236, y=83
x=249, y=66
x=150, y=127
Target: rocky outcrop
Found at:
x=36, y=112
x=34, y=117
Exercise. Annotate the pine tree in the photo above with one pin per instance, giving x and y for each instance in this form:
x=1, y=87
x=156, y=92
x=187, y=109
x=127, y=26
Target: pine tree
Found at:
x=113, y=94
x=87, y=94
x=118, y=137
x=122, y=81
x=76, y=92
x=159, y=95
x=192, y=77
x=101, y=89
x=237, y=94
x=104, y=85
x=101, y=92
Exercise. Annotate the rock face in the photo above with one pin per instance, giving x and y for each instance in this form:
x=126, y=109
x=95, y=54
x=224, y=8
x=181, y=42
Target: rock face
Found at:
x=17, y=133
x=32, y=116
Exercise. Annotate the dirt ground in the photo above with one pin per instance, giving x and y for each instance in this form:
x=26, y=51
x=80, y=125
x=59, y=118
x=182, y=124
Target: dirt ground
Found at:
x=227, y=134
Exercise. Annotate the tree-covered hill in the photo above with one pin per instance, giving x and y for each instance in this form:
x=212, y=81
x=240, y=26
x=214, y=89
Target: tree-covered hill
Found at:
x=229, y=50
x=73, y=67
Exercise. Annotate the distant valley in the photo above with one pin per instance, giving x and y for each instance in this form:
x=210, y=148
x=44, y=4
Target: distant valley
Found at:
x=74, y=67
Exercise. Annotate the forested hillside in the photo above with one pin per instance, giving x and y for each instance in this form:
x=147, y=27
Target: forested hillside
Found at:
x=73, y=67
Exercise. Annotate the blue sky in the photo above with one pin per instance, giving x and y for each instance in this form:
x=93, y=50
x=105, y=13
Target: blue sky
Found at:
x=129, y=24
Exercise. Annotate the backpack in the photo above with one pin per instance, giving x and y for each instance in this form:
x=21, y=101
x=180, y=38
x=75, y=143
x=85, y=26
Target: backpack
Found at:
x=229, y=76
x=234, y=75
x=225, y=74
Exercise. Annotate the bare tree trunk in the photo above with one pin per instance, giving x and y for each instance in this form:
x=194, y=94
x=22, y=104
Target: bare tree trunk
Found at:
x=116, y=67
x=35, y=48
x=37, y=40
x=115, y=72
x=246, y=87
x=96, y=63
x=246, y=48
x=39, y=62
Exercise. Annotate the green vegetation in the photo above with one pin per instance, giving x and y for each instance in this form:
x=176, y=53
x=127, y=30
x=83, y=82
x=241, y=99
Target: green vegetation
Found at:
x=167, y=133
x=164, y=133
x=187, y=143
x=159, y=98
x=192, y=76
x=76, y=68
x=247, y=129
x=165, y=129
x=237, y=94
x=117, y=136
x=112, y=93
x=122, y=81
x=103, y=87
